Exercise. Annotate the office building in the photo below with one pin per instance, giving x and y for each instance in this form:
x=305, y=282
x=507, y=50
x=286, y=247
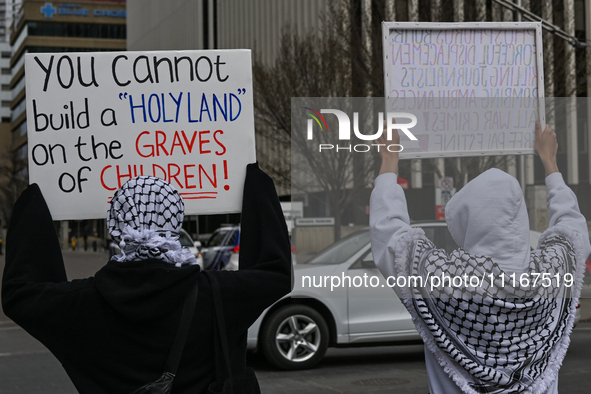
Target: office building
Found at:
x=45, y=26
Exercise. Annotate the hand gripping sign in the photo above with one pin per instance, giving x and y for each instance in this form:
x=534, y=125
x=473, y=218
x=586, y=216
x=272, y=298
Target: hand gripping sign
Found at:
x=95, y=120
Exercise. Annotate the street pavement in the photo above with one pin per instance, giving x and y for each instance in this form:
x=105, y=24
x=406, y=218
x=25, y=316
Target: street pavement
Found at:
x=27, y=367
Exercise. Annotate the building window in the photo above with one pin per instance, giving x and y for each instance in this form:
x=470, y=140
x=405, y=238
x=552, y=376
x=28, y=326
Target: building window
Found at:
x=84, y=30
x=18, y=88
x=19, y=109
x=20, y=130
x=5, y=104
x=23, y=151
x=67, y=49
x=5, y=71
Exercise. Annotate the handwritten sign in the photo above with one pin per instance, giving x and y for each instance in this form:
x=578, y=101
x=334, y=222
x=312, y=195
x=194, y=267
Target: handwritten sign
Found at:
x=474, y=87
x=95, y=120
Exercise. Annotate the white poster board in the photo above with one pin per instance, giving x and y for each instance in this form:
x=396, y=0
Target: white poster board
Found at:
x=475, y=88
x=95, y=120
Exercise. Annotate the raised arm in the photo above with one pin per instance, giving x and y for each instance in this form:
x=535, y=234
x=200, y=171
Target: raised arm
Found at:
x=388, y=213
x=563, y=207
x=34, y=273
x=265, y=273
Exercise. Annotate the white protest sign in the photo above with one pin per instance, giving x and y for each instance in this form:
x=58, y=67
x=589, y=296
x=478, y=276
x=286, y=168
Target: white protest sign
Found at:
x=95, y=120
x=475, y=88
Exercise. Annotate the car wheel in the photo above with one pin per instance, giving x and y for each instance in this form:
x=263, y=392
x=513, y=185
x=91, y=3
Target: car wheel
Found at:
x=294, y=337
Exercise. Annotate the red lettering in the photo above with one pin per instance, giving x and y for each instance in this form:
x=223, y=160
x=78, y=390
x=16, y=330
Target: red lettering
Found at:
x=119, y=175
x=219, y=143
x=103, y=179
x=135, y=170
x=174, y=176
x=201, y=142
x=176, y=141
x=160, y=144
x=189, y=144
x=213, y=182
x=137, y=148
x=154, y=166
x=187, y=176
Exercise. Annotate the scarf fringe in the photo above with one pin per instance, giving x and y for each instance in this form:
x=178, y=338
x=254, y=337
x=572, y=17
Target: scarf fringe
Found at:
x=404, y=251
x=403, y=256
x=555, y=362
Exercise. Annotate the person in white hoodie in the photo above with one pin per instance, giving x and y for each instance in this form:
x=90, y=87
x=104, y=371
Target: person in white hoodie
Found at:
x=490, y=333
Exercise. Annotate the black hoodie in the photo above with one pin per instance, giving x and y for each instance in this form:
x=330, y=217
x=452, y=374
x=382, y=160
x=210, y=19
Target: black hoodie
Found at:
x=112, y=332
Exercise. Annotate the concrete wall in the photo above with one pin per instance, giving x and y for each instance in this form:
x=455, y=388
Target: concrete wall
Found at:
x=191, y=24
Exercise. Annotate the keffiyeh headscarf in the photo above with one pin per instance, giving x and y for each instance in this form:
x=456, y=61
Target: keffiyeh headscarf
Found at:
x=504, y=336
x=144, y=218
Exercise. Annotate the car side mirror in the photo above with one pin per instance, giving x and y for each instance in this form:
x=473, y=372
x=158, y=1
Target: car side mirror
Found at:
x=197, y=244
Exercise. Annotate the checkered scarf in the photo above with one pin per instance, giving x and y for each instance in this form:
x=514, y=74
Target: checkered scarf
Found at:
x=144, y=218
x=493, y=338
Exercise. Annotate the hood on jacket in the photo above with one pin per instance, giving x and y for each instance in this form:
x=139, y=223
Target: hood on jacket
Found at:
x=145, y=290
x=488, y=217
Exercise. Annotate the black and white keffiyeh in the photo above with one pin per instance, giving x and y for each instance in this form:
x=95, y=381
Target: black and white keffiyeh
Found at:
x=493, y=338
x=144, y=218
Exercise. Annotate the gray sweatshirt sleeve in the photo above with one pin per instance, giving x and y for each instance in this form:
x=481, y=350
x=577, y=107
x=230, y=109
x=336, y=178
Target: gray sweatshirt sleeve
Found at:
x=388, y=221
x=563, y=210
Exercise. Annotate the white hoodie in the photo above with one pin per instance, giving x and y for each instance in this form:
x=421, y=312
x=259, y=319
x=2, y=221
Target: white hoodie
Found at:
x=488, y=217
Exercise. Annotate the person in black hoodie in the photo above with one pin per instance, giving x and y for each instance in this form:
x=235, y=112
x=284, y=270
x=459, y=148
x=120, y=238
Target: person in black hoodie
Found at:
x=112, y=332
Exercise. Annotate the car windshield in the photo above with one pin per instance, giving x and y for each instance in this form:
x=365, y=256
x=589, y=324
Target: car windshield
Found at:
x=217, y=238
x=186, y=240
x=343, y=249
x=231, y=241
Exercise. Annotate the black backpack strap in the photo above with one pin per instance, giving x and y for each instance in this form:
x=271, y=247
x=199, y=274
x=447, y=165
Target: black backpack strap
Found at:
x=220, y=337
x=176, y=351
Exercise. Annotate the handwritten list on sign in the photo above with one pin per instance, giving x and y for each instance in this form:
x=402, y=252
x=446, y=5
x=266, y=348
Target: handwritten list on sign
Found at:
x=474, y=91
x=95, y=120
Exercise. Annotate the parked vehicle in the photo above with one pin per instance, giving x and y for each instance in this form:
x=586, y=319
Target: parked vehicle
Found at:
x=296, y=331
x=193, y=246
x=221, y=250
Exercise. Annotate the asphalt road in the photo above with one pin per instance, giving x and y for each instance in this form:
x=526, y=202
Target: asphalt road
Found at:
x=27, y=367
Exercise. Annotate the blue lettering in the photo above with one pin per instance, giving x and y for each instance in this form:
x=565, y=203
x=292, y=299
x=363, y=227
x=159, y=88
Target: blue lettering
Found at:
x=111, y=13
x=224, y=110
x=150, y=108
x=189, y=108
x=132, y=107
x=178, y=105
x=233, y=118
x=164, y=109
x=204, y=104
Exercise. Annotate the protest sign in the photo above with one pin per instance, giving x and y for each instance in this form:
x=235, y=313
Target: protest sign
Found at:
x=95, y=120
x=475, y=88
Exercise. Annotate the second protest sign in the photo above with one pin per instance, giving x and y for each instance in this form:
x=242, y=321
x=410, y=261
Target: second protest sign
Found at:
x=475, y=88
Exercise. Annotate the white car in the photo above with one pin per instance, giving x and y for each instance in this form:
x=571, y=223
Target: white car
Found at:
x=193, y=246
x=295, y=332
